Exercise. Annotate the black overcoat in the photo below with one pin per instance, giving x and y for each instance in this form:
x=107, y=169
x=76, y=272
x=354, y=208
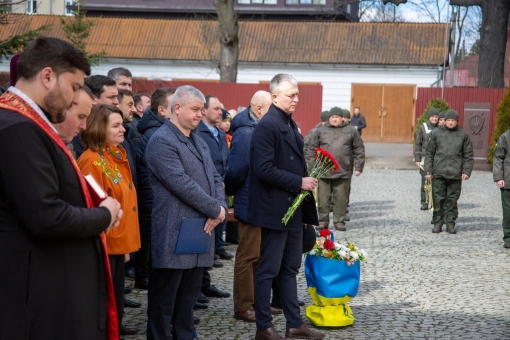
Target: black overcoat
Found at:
x=52, y=283
x=277, y=166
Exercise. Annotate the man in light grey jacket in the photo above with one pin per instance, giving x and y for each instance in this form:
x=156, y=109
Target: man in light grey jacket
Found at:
x=184, y=184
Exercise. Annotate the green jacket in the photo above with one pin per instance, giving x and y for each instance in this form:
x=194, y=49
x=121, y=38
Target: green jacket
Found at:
x=501, y=159
x=449, y=153
x=307, y=139
x=344, y=143
x=422, y=137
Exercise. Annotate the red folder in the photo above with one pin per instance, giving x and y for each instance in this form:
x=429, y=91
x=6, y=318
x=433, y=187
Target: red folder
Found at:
x=96, y=191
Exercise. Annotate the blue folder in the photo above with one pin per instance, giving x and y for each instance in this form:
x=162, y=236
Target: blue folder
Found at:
x=192, y=238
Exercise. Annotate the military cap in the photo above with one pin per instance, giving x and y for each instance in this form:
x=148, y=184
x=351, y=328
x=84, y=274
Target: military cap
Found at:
x=441, y=114
x=324, y=116
x=432, y=112
x=346, y=113
x=451, y=114
x=335, y=111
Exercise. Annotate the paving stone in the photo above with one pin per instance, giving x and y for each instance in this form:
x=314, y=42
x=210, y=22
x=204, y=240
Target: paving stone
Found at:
x=415, y=285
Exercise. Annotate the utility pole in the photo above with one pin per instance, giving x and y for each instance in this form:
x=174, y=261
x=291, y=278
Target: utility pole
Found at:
x=452, y=54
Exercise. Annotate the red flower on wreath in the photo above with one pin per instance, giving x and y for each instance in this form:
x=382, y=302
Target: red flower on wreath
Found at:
x=324, y=233
x=328, y=245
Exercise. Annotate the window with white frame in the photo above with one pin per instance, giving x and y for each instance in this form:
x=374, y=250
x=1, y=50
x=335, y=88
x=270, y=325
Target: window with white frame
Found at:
x=305, y=2
x=264, y=2
x=31, y=7
x=67, y=10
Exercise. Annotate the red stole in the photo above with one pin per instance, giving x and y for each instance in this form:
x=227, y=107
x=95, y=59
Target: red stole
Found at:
x=12, y=102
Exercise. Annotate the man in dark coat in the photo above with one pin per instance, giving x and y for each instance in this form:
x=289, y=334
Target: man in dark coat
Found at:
x=236, y=183
x=358, y=120
x=278, y=174
x=184, y=184
x=448, y=161
x=217, y=142
x=150, y=122
x=55, y=280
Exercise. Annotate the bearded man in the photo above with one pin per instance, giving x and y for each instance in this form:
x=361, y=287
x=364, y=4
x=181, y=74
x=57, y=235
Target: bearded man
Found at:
x=55, y=281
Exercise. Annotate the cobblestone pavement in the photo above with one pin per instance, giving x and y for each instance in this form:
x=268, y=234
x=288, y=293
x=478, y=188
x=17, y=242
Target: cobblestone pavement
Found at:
x=416, y=285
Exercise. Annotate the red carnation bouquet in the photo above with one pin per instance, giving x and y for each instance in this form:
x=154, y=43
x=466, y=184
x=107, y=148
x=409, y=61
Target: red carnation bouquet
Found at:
x=324, y=163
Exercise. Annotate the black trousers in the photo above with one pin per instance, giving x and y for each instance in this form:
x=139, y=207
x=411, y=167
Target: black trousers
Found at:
x=118, y=278
x=280, y=257
x=172, y=295
x=142, y=261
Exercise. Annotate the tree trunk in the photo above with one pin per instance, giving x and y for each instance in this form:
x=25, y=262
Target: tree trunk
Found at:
x=229, y=40
x=493, y=36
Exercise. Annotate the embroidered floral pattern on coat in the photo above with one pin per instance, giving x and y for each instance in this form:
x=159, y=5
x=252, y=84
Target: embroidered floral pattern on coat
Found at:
x=112, y=173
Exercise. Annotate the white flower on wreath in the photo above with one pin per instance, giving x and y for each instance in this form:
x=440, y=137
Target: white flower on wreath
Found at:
x=354, y=255
x=363, y=253
x=342, y=253
x=338, y=246
x=313, y=251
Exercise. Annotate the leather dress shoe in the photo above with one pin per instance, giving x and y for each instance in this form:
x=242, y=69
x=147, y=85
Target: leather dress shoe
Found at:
x=424, y=207
x=215, y=292
x=225, y=243
x=248, y=316
x=450, y=229
x=507, y=244
x=347, y=218
x=196, y=320
x=224, y=255
x=275, y=311
x=437, y=228
x=123, y=330
x=303, y=332
x=142, y=284
x=301, y=302
x=268, y=334
x=127, y=290
x=216, y=257
x=131, y=304
x=217, y=264
x=199, y=305
x=202, y=298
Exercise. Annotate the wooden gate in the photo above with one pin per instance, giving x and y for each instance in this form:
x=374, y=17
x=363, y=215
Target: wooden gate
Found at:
x=388, y=111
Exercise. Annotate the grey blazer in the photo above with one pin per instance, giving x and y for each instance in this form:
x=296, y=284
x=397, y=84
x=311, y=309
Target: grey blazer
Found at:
x=184, y=183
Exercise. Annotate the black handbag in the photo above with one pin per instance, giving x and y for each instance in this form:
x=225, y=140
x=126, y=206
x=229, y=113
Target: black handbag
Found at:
x=309, y=237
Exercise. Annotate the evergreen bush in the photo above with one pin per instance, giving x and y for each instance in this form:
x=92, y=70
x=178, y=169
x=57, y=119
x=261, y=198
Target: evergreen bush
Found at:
x=502, y=124
x=439, y=104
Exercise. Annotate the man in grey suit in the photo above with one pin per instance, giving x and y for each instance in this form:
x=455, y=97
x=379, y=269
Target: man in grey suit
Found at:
x=184, y=184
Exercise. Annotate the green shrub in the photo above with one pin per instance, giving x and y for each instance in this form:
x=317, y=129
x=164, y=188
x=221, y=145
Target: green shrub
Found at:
x=502, y=123
x=439, y=104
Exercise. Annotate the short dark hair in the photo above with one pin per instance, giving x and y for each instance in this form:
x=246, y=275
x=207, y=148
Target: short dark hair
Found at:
x=86, y=89
x=207, y=99
x=123, y=93
x=137, y=98
x=97, y=83
x=94, y=137
x=159, y=96
x=357, y=107
x=58, y=54
x=114, y=73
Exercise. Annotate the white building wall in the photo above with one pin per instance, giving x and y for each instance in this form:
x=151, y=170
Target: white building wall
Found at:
x=335, y=79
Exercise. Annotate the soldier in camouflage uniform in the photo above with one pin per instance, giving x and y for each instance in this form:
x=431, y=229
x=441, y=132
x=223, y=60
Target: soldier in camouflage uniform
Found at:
x=422, y=136
x=342, y=140
x=501, y=172
x=448, y=161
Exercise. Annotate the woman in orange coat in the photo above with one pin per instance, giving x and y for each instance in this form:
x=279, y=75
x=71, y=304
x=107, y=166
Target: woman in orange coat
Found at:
x=105, y=158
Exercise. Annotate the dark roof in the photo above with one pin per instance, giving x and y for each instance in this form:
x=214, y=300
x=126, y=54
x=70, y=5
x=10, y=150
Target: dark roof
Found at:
x=260, y=41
